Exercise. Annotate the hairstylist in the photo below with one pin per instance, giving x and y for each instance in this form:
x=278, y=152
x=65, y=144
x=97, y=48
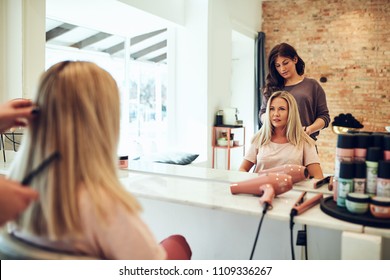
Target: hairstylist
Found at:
x=286, y=71
x=281, y=139
x=14, y=198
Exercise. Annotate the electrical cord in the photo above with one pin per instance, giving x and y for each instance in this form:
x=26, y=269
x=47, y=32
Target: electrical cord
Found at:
x=293, y=213
x=292, y=234
x=265, y=208
x=306, y=255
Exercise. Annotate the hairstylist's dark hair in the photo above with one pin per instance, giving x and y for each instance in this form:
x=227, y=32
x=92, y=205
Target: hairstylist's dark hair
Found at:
x=274, y=81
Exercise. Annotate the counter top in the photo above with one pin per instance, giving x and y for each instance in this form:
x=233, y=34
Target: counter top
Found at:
x=217, y=195
x=208, y=174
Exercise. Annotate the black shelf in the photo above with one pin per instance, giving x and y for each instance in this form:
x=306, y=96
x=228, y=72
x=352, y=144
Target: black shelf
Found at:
x=228, y=126
x=329, y=206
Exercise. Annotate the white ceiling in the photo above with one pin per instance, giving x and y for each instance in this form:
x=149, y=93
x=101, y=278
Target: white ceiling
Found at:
x=94, y=17
x=110, y=16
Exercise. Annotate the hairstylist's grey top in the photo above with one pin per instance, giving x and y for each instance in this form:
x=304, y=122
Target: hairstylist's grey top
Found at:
x=311, y=101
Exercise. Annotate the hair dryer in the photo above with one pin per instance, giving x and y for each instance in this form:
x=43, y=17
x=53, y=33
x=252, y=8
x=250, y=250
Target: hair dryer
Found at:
x=266, y=185
x=297, y=172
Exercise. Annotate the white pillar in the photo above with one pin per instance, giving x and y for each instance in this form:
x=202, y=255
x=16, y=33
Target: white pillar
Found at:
x=22, y=49
x=361, y=246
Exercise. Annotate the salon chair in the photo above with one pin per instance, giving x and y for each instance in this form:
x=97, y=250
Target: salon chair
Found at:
x=13, y=248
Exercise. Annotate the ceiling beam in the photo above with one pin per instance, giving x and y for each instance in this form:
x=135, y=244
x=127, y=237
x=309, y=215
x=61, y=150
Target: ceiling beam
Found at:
x=159, y=58
x=58, y=31
x=150, y=49
x=91, y=40
x=143, y=37
x=114, y=49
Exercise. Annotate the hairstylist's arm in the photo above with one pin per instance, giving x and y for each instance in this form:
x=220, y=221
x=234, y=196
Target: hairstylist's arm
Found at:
x=317, y=125
x=315, y=170
x=16, y=112
x=246, y=165
x=14, y=198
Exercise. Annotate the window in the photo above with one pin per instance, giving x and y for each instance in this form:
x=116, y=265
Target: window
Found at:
x=143, y=86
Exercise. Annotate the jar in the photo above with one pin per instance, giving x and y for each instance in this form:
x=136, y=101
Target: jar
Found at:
x=123, y=161
x=357, y=203
x=380, y=207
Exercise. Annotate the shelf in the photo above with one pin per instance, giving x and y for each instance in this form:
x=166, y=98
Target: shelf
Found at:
x=330, y=207
x=228, y=129
x=228, y=126
x=231, y=147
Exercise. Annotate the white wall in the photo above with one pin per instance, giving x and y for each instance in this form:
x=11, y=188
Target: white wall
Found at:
x=231, y=77
x=190, y=115
x=23, y=47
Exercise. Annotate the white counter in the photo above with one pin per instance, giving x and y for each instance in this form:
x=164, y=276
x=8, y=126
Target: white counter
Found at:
x=219, y=225
x=196, y=202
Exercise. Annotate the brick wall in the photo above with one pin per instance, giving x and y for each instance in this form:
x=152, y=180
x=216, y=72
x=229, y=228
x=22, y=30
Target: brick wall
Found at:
x=346, y=41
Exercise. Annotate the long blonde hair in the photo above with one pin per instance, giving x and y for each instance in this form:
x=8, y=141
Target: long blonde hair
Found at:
x=294, y=132
x=78, y=118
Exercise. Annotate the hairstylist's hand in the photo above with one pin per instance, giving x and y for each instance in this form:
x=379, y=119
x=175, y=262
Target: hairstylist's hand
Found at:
x=16, y=112
x=14, y=198
x=307, y=130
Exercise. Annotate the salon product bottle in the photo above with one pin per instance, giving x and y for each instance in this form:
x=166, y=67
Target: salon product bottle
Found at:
x=345, y=182
x=123, y=161
x=376, y=140
x=386, y=147
x=345, y=151
x=374, y=155
x=219, y=118
x=359, y=178
x=383, y=180
x=361, y=145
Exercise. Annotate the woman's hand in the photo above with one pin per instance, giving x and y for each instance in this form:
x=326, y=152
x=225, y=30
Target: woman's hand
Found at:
x=14, y=198
x=307, y=130
x=16, y=112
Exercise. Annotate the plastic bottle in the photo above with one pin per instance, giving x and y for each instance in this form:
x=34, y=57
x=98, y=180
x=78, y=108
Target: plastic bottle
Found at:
x=386, y=147
x=345, y=151
x=345, y=182
x=359, y=178
x=374, y=155
x=361, y=145
x=383, y=180
x=376, y=139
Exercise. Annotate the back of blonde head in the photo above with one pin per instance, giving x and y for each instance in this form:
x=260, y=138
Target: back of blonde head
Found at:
x=79, y=119
x=294, y=132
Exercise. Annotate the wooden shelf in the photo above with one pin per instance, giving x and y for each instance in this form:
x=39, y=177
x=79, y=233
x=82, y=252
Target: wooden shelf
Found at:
x=228, y=129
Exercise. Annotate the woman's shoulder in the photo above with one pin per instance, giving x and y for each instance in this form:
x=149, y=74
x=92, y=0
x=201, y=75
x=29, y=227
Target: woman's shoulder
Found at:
x=308, y=141
x=311, y=81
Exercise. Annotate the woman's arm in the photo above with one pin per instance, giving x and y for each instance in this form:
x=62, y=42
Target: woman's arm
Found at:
x=315, y=170
x=246, y=165
x=317, y=125
x=14, y=198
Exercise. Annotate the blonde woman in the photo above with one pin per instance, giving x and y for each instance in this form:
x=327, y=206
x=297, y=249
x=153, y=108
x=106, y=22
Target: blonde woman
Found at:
x=281, y=139
x=83, y=208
